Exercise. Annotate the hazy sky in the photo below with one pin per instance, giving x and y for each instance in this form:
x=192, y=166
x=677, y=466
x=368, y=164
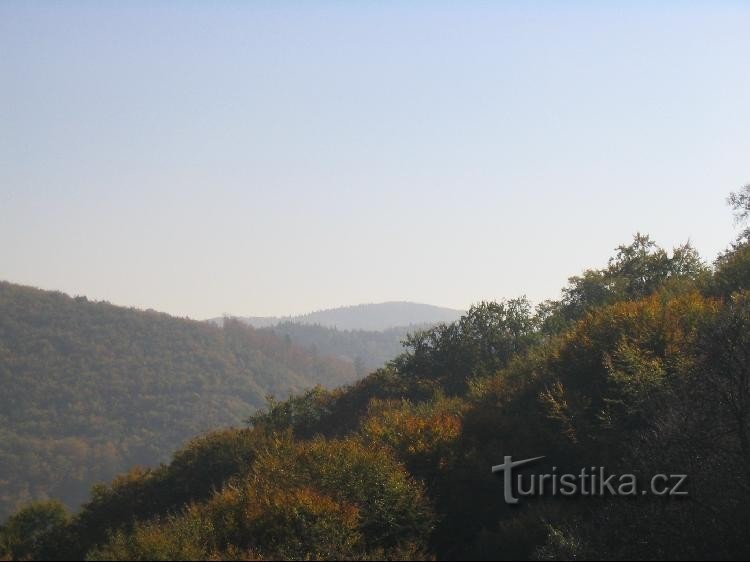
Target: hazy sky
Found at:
x=274, y=158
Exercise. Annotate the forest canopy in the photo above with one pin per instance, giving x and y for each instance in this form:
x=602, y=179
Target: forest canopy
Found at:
x=91, y=389
x=642, y=366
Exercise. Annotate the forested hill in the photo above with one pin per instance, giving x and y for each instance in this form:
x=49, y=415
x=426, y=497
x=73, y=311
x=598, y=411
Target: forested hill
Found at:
x=89, y=389
x=367, y=350
x=379, y=316
x=641, y=367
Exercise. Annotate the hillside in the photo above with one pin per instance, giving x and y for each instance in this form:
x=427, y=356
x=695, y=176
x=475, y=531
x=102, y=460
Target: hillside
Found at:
x=371, y=317
x=367, y=350
x=90, y=389
x=640, y=367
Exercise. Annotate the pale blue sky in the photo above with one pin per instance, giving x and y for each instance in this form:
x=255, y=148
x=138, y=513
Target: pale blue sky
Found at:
x=279, y=157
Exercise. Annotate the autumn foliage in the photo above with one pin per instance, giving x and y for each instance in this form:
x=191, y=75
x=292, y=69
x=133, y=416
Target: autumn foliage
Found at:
x=642, y=366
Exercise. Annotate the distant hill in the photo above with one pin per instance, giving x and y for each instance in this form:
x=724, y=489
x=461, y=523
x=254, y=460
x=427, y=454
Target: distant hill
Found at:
x=89, y=389
x=374, y=317
x=367, y=350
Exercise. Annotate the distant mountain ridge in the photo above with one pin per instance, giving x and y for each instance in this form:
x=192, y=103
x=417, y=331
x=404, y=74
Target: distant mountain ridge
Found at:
x=366, y=350
x=371, y=317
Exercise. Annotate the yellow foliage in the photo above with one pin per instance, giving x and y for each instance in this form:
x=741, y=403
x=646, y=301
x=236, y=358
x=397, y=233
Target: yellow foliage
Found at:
x=413, y=430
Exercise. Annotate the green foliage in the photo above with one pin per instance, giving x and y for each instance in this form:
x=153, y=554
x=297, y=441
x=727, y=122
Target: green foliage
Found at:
x=339, y=412
x=725, y=368
x=283, y=522
x=479, y=344
x=636, y=271
x=90, y=389
x=174, y=538
x=196, y=472
x=36, y=532
x=611, y=365
x=732, y=270
x=740, y=202
x=733, y=266
x=642, y=367
x=298, y=500
x=392, y=506
x=367, y=350
x=303, y=413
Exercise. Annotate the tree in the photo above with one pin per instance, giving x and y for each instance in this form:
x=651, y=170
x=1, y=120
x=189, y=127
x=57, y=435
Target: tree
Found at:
x=637, y=270
x=479, y=344
x=740, y=202
x=36, y=532
x=725, y=368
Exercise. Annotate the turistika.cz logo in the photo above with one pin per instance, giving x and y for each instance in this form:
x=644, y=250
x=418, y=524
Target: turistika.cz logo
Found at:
x=590, y=481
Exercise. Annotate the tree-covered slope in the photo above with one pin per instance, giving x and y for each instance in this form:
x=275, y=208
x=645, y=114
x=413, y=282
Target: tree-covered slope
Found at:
x=373, y=317
x=89, y=389
x=367, y=350
x=642, y=367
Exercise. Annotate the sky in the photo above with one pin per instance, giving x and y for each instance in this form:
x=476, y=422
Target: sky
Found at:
x=272, y=158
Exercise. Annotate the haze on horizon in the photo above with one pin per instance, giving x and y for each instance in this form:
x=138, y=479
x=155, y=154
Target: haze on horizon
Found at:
x=211, y=158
